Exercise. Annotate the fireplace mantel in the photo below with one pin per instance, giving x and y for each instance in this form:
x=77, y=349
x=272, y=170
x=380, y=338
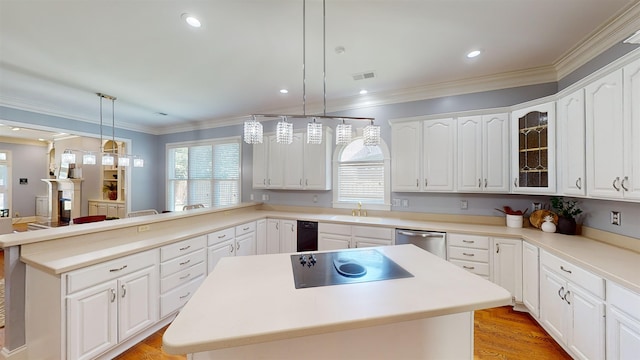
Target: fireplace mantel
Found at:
x=72, y=189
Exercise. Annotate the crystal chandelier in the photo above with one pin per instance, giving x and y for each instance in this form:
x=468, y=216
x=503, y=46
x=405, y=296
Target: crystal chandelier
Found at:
x=284, y=130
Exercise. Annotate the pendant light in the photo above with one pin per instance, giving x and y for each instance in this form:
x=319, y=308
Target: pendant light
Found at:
x=284, y=131
x=371, y=135
x=314, y=132
x=253, y=131
x=109, y=157
x=343, y=133
x=68, y=157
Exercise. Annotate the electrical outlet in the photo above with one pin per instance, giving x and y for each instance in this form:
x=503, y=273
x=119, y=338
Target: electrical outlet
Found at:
x=143, y=228
x=464, y=204
x=405, y=202
x=396, y=202
x=315, y=198
x=616, y=218
x=536, y=206
x=16, y=214
x=251, y=197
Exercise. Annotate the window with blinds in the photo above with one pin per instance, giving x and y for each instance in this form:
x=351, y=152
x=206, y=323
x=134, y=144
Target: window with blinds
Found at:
x=361, y=174
x=205, y=173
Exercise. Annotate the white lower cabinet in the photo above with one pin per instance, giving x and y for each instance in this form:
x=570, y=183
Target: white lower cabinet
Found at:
x=623, y=323
x=339, y=236
x=261, y=236
x=531, y=278
x=233, y=241
x=507, y=265
x=118, y=299
x=470, y=252
x=572, y=307
x=182, y=269
x=282, y=236
x=110, y=209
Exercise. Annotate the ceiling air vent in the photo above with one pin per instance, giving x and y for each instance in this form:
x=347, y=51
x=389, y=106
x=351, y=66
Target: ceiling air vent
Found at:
x=364, y=75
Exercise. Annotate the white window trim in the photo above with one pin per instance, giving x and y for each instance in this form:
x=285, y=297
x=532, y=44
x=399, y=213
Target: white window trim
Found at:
x=9, y=191
x=214, y=141
x=386, y=206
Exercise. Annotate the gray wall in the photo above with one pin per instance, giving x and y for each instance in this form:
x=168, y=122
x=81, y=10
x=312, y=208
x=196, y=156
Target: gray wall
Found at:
x=30, y=162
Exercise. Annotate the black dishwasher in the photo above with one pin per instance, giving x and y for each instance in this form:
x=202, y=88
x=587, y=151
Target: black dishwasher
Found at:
x=307, y=236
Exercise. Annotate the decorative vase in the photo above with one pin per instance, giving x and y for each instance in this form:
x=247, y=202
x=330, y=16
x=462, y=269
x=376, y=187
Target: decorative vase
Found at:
x=548, y=225
x=566, y=226
x=113, y=195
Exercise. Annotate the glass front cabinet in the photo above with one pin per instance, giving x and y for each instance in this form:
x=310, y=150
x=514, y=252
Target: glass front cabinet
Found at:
x=533, y=154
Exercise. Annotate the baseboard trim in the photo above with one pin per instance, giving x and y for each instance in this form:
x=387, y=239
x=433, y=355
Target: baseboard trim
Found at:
x=17, y=354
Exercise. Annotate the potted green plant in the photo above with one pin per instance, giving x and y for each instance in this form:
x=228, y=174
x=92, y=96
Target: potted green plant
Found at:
x=111, y=188
x=567, y=211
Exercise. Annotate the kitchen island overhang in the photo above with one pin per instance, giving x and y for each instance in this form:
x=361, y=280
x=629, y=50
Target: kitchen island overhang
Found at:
x=249, y=307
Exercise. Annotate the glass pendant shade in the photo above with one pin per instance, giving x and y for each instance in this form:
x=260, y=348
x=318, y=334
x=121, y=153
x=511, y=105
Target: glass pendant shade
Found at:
x=107, y=159
x=343, y=134
x=252, y=132
x=371, y=135
x=314, y=133
x=68, y=157
x=123, y=161
x=284, y=132
x=89, y=159
x=138, y=162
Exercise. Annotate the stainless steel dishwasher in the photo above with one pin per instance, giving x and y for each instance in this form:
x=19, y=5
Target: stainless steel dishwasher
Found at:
x=431, y=241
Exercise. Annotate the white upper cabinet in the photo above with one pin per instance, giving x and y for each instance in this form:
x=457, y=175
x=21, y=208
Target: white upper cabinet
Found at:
x=406, y=141
x=438, y=154
x=295, y=166
x=571, y=128
x=533, y=162
x=613, y=134
x=483, y=153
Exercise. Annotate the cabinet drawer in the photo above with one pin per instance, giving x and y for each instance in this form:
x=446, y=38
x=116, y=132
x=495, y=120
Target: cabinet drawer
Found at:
x=95, y=274
x=474, y=267
x=573, y=273
x=182, y=277
x=471, y=241
x=330, y=228
x=220, y=236
x=245, y=228
x=176, y=298
x=373, y=232
x=172, y=266
x=623, y=299
x=469, y=254
x=182, y=247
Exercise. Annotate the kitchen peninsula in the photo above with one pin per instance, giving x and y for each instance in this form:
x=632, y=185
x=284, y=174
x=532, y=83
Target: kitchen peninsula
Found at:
x=249, y=308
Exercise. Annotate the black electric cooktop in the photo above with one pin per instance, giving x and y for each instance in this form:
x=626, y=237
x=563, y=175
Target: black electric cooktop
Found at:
x=343, y=267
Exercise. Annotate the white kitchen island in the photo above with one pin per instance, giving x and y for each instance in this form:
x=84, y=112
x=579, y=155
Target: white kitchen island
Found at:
x=249, y=308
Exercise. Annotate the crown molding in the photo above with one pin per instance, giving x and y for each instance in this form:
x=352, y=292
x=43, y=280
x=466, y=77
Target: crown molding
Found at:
x=613, y=32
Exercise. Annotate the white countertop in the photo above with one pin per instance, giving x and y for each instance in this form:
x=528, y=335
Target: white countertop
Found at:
x=60, y=250
x=248, y=300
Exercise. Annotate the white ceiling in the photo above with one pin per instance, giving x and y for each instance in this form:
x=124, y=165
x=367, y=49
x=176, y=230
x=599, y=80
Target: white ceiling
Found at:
x=55, y=55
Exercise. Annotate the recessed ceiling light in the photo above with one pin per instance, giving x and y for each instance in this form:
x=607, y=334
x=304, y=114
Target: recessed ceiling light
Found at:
x=473, y=54
x=284, y=91
x=191, y=20
x=363, y=91
x=41, y=139
x=15, y=129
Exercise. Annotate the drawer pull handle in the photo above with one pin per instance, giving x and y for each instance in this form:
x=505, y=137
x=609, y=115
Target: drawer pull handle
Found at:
x=124, y=290
x=247, y=228
x=497, y=248
x=626, y=178
x=565, y=270
x=113, y=295
x=479, y=183
x=185, y=248
x=485, y=183
x=185, y=262
x=617, y=179
x=230, y=247
x=222, y=236
x=185, y=277
x=565, y=297
x=185, y=296
x=579, y=183
x=116, y=270
x=468, y=241
x=560, y=292
x=238, y=246
x=467, y=254
x=468, y=267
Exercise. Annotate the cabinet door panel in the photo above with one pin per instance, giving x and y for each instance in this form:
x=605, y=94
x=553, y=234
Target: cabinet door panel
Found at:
x=317, y=163
x=259, y=164
x=273, y=236
x=530, y=278
x=333, y=242
x=553, y=308
x=293, y=159
x=218, y=251
x=246, y=244
x=571, y=121
x=470, y=153
x=623, y=335
x=275, y=169
x=405, y=156
x=92, y=322
x=605, y=136
x=495, y=153
x=138, y=306
x=438, y=154
x=507, y=265
x=587, y=335
x=632, y=129
x=288, y=236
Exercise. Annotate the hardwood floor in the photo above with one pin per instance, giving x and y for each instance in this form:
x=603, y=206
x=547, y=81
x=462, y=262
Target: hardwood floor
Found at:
x=500, y=333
